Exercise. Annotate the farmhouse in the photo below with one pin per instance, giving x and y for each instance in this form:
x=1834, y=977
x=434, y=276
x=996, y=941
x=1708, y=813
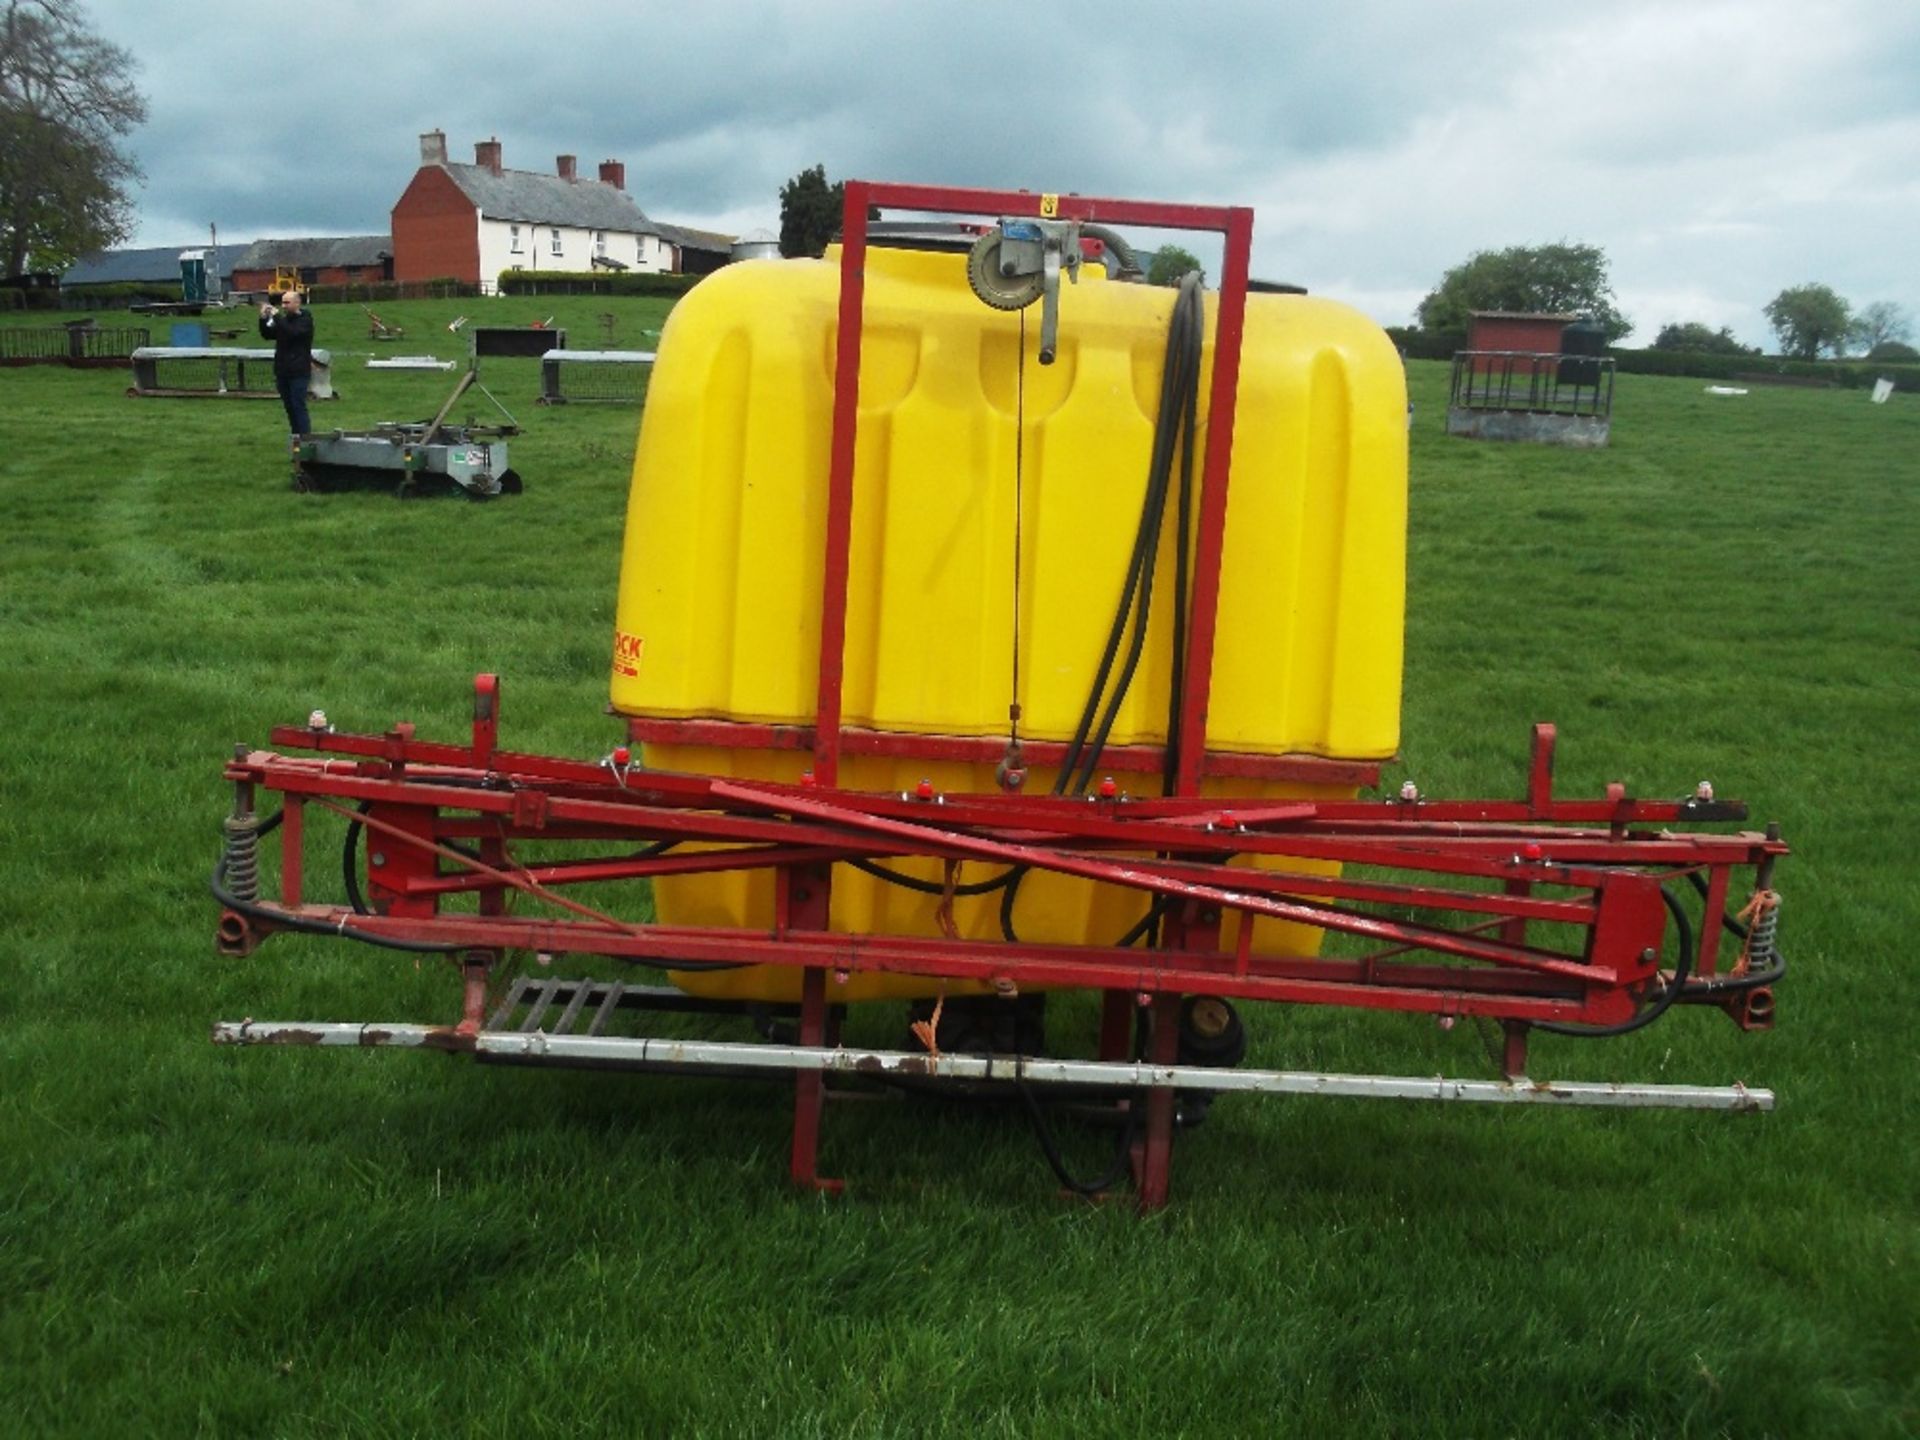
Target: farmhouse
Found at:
x=471, y=222
x=324, y=260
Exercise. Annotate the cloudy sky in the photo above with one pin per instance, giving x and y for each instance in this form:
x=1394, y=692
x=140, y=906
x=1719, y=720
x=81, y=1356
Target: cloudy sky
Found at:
x=1718, y=150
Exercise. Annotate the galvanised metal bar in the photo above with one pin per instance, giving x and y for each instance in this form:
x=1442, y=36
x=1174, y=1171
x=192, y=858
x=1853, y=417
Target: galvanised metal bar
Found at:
x=1011, y=1069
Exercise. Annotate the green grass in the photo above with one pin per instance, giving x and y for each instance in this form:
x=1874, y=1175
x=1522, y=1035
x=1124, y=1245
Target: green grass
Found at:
x=285, y=1243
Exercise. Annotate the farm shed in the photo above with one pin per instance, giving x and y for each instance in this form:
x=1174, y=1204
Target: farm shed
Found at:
x=319, y=260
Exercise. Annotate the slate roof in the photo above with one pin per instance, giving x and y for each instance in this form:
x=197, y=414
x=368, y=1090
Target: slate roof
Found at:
x=156, y=263
x=318, y=252
x=538, y=199
x=687, y=238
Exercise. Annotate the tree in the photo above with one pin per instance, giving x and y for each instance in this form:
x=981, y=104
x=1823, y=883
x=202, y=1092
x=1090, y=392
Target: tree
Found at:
x=1808, y=319
x=1553, y=279
x=1697, y=339
x=1879, y=323
x=809, y=212
x=1893, y=350
x=66, y=101
x=1170, y=262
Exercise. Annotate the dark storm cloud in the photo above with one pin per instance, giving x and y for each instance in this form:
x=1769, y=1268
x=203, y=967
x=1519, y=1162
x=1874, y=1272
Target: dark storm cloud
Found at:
x=1717, y=150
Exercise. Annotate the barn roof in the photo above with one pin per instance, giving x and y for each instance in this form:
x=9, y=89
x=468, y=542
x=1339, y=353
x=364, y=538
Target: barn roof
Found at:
x=316, y=252
x=156, y=263
x=688, y=238
x=539, y=199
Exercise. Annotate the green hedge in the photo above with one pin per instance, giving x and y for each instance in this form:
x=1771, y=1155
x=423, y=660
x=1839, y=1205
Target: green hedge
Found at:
x=1418, y=344
x=1846, y=374
x=593, y=282
x=120, y=293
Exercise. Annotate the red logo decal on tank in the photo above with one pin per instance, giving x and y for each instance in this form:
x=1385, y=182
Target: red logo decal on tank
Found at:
x=626, y=653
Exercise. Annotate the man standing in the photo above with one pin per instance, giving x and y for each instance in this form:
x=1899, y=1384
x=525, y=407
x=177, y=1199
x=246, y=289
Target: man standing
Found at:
x=291, y=330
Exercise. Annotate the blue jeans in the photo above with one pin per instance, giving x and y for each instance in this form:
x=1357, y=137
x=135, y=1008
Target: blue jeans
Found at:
x=293, y=395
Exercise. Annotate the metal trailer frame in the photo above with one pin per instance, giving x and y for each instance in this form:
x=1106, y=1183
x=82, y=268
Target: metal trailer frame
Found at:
x=1518, y=912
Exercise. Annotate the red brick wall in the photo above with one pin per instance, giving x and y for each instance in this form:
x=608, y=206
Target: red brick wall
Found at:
x=325, y=275
x=436, y=233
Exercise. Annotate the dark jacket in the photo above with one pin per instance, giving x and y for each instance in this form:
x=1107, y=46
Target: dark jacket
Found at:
x=292, y=337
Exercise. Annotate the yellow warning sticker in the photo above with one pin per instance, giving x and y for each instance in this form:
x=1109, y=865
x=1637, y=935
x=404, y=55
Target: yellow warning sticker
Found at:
x=1049, y=207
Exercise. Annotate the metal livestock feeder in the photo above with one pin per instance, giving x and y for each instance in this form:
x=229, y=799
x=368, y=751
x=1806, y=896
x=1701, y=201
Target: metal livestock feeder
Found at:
x=228, y=372
x=884, y=745
x=578, y=377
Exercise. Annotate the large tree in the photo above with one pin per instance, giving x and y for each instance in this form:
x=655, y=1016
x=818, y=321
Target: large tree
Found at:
x=1699, y=339
x=1880, y=323
x=809, y=212
x=1808, y=319
x=1170, y=263
x=66, y=101
x=1554, y=279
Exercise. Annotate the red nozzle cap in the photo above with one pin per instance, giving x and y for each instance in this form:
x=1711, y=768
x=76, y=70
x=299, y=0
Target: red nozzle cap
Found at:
x=924, y=790
x=1108, y=789
x=621, y=755
x=807, y=781
x=1227, y=822
x=1531, y=850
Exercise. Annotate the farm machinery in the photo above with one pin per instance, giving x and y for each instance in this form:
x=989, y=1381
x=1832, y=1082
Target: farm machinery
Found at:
x=467, y=456
x=990, y=663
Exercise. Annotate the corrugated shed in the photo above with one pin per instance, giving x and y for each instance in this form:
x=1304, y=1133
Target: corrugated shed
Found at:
x=152, y=263
x=318, y=252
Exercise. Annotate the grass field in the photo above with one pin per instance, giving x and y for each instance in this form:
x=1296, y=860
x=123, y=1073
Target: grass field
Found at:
x=289, y=1243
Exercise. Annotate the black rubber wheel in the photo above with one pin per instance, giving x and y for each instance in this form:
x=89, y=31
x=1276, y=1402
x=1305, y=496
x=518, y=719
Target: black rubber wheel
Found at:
x=1211, y=1033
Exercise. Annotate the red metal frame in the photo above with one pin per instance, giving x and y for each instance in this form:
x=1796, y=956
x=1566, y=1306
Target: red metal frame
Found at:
x=1528, y=910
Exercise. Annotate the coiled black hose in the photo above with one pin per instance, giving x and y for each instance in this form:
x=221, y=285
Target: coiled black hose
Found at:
x=1663, y=1002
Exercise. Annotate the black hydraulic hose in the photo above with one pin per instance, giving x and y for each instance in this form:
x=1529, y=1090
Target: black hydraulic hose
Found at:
x=1179, y=406
x=217, y=884
x=1181, y=331
x=1682, y=968
x=932, y=887
x=281, y=920
x=1122, y=1161
x=350, y=860
x=1183, y=516
x=1116, y=1170
x=1708, y=985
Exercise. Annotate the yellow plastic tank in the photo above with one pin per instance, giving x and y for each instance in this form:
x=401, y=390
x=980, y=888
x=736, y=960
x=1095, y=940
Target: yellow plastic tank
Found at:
x=982, y=476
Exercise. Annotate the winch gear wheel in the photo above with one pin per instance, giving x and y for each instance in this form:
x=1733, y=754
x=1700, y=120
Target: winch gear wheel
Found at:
x=1002, y=292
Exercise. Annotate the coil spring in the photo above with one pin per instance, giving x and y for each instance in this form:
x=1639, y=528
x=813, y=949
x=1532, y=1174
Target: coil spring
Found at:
x=243, y=856
x=1761, y=949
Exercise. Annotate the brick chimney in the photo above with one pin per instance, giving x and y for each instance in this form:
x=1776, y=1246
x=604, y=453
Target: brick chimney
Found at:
x=486, y=153
x=433, y=148
x=567, y=167
x=613, y=173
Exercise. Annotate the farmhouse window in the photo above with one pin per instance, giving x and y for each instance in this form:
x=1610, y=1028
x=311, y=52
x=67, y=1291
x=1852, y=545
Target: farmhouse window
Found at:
x=513, y=235
x=600, y=242
x=556, y=239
